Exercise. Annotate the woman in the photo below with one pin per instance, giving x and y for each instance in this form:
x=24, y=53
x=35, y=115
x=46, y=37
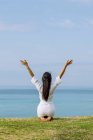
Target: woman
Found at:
x=46, y=109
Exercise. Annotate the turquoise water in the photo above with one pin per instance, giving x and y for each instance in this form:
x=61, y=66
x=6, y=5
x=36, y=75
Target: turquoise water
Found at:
x=23, y=103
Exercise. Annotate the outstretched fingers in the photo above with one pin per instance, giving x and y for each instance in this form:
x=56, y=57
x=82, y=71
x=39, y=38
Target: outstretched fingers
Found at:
x=69, y=62
x=23, y=62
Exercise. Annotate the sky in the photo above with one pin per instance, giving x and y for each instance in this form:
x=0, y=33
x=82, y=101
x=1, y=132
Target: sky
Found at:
x=46, y=33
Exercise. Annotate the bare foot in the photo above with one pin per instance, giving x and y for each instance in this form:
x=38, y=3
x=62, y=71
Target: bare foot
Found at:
x=46, y=119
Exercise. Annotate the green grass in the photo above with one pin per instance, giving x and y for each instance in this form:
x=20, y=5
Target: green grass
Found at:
x=74, y=128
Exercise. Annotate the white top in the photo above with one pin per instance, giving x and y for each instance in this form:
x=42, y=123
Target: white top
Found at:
x=39, y=87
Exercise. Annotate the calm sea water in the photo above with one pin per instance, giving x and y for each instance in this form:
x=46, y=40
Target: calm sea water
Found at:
x=23, y=103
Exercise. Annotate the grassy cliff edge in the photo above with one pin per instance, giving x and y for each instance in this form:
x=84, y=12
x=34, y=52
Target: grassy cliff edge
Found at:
x=71, y=128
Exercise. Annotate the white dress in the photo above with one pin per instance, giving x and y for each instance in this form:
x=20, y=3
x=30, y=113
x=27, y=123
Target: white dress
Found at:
x=45, y=108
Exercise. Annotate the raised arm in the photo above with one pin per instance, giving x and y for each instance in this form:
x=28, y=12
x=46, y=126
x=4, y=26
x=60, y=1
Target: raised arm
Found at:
x=64, y=69
x=25, y=63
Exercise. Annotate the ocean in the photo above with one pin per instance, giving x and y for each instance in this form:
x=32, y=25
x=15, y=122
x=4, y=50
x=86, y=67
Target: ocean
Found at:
x=22, y=103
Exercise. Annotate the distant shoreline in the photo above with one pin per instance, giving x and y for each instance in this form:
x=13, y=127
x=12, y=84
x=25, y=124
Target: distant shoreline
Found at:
x=35, y=89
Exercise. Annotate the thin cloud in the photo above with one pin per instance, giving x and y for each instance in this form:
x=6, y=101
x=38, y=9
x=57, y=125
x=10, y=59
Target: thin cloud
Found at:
x=66, y=23
x=69, y=24
x=90, y=22
x=14, y=27
x=81, y=1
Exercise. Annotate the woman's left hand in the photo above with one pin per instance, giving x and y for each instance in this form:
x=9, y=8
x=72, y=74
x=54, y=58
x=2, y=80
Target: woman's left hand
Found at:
x=24, y=62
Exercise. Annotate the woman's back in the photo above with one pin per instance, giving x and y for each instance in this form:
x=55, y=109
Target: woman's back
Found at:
x=39, y=87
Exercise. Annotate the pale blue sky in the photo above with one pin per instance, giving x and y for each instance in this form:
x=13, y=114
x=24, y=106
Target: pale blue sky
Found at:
x=46, y=33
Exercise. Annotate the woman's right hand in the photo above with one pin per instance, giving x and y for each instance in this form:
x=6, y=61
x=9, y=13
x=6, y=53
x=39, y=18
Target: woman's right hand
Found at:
x=69, y=62
x=24, y=62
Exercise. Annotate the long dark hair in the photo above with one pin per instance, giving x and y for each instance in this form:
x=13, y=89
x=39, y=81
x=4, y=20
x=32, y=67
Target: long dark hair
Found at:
x=46, y=79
